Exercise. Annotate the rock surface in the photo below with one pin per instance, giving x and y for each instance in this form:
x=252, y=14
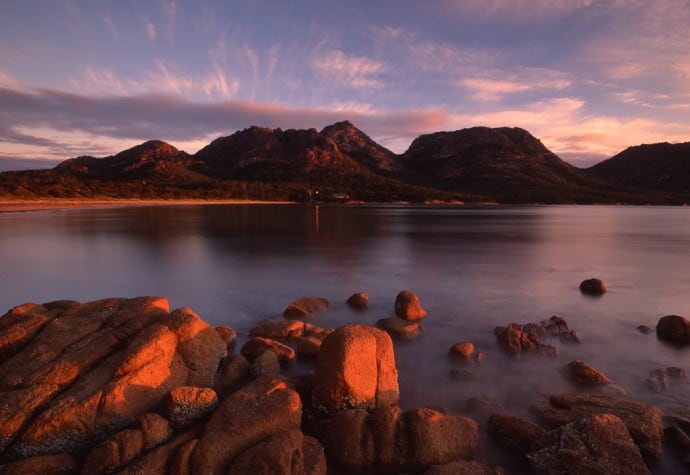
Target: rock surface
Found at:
x=395, y=326
x=642, y=421
x=306, y=307
x=358, y=301
x=516, y=339
x=407, y=306
x=674, y=329
x=355, y=368
x=599, y=444
x=593, y=286
x=583, y=374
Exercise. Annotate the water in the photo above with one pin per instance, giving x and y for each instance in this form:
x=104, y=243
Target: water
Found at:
x=473, y=268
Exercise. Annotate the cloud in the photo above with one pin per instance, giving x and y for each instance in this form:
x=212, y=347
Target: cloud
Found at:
x=111, y=25
x=151, y=31
x=171, y=118
x=56, y=124
x=488, y=89
x=352, y=71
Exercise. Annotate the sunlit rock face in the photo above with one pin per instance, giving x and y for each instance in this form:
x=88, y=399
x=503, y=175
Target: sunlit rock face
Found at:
x=355, y=367
x=91, y=369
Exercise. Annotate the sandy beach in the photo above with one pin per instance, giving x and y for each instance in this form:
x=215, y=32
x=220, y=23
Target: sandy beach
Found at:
x=10, y=206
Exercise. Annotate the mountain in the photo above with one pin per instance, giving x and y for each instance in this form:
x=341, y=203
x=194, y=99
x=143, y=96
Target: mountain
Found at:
x=154, y=160
x=362, y=148
x=660, y=166
x=508, y=164
x=476, y=164
x=259, y=153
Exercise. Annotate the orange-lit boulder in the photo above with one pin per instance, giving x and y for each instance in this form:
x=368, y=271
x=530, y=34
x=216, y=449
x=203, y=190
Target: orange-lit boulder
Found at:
x=437, y=438
x=355, y=368
x=395, y=326
x=280, y=330
x=257, y=345
x=583, y=374
x=407, y=306
x=185, y=405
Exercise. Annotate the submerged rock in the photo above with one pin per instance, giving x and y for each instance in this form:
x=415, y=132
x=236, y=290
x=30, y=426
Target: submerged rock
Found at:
x=281, y=330
x=306, y=307
x=405, y=329
x=514, y=432
x=659, y=379
x=516, y=338
x=463, y=350
x=583, y=374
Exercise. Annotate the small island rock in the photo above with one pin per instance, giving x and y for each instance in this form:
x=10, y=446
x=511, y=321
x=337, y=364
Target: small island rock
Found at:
x=674, y=329
x=583, y=374
x=358, y=301
x=407, y=306
x=593, y=286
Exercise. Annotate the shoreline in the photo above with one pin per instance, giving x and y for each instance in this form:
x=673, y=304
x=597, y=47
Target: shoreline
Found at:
x=16, y=206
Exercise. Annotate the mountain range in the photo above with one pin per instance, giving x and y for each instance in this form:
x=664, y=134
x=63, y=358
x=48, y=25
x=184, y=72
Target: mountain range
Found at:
x=341, y=162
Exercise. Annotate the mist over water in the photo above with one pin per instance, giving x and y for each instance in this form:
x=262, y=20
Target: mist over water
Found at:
x=473, y=268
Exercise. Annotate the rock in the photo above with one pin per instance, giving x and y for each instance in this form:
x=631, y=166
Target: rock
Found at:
x=404, y=329
x=115, y=453
x=94, y=369
x=355, y=368
x=266, y=363
x=674, y=329
x=282, y=330
x=514, y=432
x=166, y=459
x=436, y=438
x=583, y=374
x=596, y=444
x=19, y=325
x=464, y=467
x=200, y=346
x=659, y=379
x=318, y=332
x=280, y=453
x=232, y=373
x=644, y=329
x=314, y=457
x=263, y=408
x=407, y=306
x=257, y=345
x=643, y=421
x=185, y=405
x=514, y=341
x=358, y=301
x=571, y=336
x=349, y=442
x=155, y=429
x=593, y=286
x=390, y=438
x=309, y=346
x=228, y=335
x=461, y=374
x=463, y=350
x=306, y=307
x=41, y=465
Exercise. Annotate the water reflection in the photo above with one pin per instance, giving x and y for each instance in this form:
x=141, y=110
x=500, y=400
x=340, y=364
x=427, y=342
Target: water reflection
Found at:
x=473, y=267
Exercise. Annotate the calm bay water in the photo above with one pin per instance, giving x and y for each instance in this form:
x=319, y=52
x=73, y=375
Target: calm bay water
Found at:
x=473, y=268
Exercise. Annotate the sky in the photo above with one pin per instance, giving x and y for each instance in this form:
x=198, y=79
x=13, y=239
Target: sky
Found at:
x=587, y=77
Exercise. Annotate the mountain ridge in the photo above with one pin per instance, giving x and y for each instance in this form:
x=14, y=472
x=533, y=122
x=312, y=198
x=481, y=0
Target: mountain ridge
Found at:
x=504, y=164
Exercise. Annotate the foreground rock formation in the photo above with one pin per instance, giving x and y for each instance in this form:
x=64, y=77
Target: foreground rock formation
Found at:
x=127, y=386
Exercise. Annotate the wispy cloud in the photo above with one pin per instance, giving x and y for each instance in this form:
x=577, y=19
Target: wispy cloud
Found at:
x=352, y=71
x=151, y=31
x=110, y=24
x=490, y=89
